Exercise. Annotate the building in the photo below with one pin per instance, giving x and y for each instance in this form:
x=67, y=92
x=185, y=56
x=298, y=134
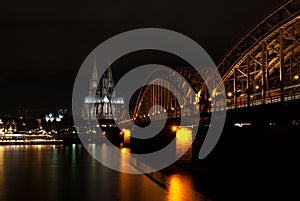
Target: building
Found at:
x=103, y=104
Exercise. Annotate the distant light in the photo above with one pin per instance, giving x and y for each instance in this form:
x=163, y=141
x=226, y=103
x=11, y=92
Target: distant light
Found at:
x=256, y=87
x=296, y=77
x=174, y=128
x=229, y=94
x=172, y=108
x=209, y=99
x=58, y=119
x=242, y=124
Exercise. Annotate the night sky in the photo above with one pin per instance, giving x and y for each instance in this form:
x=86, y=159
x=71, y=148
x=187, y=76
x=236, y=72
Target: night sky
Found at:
x=43, y=43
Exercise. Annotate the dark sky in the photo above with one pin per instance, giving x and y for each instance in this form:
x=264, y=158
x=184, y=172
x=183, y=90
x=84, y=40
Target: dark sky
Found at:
x=43, y=43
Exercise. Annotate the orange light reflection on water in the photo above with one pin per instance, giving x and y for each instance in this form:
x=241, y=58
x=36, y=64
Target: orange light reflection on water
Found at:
x=181, y=188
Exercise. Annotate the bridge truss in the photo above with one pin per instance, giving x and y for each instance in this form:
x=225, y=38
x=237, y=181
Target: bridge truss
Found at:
x=263, y=67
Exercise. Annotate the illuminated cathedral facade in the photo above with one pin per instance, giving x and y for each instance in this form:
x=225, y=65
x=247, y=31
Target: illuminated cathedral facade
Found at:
x=103, y=104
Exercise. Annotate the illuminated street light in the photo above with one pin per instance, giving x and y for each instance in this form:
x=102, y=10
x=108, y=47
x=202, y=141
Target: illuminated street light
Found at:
x=256, y=87
x=296, y=77
x=229, y=94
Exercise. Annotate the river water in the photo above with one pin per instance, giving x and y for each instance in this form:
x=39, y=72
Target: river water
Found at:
x=57, y=172
x=60, y=172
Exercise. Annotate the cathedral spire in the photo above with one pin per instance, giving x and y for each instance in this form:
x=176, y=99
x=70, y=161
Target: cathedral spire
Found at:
x=95, y=72
x=109, y=74
x=94, y=80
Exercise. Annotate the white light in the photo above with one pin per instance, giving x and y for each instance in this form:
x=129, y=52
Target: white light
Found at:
x=58, y=119
x=242, y=124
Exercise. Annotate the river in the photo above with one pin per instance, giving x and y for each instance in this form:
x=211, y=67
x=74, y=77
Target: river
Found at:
x=60, y=172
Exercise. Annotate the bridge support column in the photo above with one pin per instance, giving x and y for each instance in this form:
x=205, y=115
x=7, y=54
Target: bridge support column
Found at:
x=281, y=58
x=248, y=82
x=263, y=69
x=235, y=88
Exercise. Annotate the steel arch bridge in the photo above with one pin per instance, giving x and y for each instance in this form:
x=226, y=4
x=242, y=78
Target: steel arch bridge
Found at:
x=263, y=67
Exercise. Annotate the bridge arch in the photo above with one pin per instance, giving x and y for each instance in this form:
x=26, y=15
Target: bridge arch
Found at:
x=264, y=66
x=162, y=90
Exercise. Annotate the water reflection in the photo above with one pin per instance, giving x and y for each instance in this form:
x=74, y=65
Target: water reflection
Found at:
x=2, y=173
x=60, y=172
x=181, y=188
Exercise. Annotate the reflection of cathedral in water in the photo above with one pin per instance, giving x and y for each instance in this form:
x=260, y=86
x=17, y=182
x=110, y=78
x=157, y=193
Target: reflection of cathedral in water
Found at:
x=103, y=104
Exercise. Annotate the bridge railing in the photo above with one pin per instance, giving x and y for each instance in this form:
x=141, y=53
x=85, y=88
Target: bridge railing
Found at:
x=256, y=101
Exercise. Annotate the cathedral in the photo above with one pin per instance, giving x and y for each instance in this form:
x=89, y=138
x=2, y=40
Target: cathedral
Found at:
x=103, y=104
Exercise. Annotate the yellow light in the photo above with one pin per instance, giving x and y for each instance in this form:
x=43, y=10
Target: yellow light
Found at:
x=257, y=87
x=229, y=94
x=174, y=128
x=296, y=77
x=209, y=99
x=126, y=136
x=180, y=187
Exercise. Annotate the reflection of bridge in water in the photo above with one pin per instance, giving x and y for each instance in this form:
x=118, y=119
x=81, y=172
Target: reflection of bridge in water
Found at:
x=262, y=68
